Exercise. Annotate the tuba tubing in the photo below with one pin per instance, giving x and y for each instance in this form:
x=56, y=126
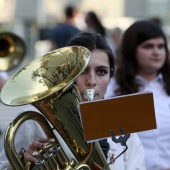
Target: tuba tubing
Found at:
x=11, y=153
x=50, y=88
x=45, y=107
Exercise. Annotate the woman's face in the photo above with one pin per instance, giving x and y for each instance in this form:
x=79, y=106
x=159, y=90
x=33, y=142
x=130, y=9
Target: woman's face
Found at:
x=96, y=75
x=150, y=56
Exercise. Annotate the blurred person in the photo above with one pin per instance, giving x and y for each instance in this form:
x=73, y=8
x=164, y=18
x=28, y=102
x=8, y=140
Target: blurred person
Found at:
x=96, y=76
x=156, y=20
x=94, y=24
x=3, y=79
x=143, y=65
x=61, y=33
x=115, y=40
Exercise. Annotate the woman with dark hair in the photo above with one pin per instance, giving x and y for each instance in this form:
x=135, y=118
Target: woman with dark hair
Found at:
x=94, y=24
x=94, y=41
x=143, y=65
x=96, y=76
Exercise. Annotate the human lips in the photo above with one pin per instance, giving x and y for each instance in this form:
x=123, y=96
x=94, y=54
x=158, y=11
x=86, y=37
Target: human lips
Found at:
x=156, y=59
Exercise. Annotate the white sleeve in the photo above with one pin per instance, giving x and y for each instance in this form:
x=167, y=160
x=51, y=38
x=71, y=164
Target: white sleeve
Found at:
x=28, y=132
x=134, y=157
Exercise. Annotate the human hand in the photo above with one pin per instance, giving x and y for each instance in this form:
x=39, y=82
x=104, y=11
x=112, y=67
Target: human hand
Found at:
x=36, y=145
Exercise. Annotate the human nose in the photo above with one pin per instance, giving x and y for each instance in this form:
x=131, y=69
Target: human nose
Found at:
x=91, y=80
x=156, y=51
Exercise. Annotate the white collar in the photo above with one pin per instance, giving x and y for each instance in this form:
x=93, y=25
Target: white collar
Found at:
x=159, y=77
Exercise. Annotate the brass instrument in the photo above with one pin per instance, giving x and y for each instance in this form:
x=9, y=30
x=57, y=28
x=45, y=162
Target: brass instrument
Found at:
x=12, y=50
x=49, y=86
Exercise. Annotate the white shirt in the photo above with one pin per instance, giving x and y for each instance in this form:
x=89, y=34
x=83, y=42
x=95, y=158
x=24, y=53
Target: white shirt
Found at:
x=132, y=159
x=156, y=142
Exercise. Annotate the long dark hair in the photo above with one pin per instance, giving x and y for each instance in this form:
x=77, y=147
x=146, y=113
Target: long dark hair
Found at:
x=126, y=71
x=93, y=41
x=95, y=22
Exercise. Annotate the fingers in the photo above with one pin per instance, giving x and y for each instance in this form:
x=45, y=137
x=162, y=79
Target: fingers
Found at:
x=28, y=157
x=36, y=145
x=43, y=140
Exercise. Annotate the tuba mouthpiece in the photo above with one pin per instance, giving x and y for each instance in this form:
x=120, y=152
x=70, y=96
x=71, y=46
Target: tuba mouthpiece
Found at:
x=89, y=94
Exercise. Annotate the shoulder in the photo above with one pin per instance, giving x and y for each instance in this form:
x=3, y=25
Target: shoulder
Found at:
x=30, y=127
x=30, y=108
x=71, y=28
x=110, y=88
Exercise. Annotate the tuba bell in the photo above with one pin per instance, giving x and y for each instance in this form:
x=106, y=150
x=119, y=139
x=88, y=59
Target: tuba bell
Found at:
x=50, y=86
x=12, y=50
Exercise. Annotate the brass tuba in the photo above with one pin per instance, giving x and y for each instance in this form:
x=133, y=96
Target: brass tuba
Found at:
x=49, y=86
x=12, y=50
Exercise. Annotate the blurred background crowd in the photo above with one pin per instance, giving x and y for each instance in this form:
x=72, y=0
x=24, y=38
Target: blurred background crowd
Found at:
x=35, y=20
x=45, y=25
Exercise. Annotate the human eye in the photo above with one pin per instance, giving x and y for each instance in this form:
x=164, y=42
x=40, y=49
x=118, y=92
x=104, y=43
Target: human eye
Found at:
x=147, y=46
x=161, y=46
x=102, y=71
